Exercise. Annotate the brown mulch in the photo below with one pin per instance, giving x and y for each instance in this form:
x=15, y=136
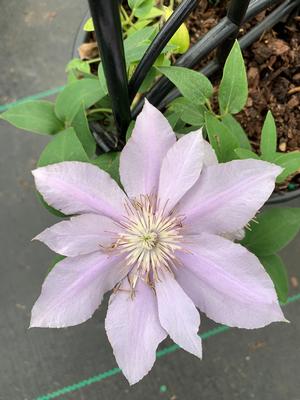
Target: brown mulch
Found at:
x=273, y=69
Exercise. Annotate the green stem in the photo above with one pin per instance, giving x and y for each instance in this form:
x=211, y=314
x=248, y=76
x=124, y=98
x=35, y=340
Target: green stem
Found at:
x=99, y=110
x=127, y=18
x=207, y=102
x=94, y=60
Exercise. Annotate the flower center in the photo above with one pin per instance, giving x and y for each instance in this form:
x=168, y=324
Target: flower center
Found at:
x=149, y=238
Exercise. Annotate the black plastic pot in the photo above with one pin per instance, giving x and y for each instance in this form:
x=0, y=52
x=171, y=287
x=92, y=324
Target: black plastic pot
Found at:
x=105, y=145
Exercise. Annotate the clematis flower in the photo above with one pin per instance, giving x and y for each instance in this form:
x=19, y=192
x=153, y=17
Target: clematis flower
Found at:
x=162, y=247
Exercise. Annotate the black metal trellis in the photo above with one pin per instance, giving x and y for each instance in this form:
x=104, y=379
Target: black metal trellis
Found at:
x=109, y=37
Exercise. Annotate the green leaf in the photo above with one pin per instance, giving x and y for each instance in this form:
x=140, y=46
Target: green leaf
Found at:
x=274, y=229
x=173, y=118
x=221, y=138
x=141, y=8
x=89, y=25
x=192, y=84
x=244, y=154
x=289, y=161
x=109, y=162
x=35, y=116
x=181, y=38
x=83, y=132
x=233, y=91
x=152, y=14
x=148, y=81
x=84, y=91
x=139, y=25
x=235, y=127
x=162, y=61
x=102, y=80
x=189, y=112
x=129, y=130
x=268, y=141
x=277, y=272
x=65, y=146
x=78, y=64
x=139, y=37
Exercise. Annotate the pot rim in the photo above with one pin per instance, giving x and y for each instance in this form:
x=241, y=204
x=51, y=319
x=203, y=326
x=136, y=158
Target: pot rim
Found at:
x=275, y=198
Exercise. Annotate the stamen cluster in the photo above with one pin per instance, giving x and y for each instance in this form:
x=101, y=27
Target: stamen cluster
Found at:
x=150, y=238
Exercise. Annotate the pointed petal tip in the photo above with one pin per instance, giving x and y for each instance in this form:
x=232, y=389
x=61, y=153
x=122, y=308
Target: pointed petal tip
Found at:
x=133, y=380
x=197, y=350
x=277, y=169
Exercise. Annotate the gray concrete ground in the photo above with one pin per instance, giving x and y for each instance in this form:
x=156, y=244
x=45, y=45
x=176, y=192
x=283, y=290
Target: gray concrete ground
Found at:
x=264, y=364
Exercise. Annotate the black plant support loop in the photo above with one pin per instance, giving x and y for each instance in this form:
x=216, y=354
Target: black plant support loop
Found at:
x=236, y=13
x=158, y=44
x=106, y=18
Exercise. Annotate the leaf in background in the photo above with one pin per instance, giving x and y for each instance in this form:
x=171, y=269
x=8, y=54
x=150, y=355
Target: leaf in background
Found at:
x=235, y=127
x=138, y=25
x=102, y=80
x=162, y=61
x=84, y=91
x=274, y=229
x=78, y=64
x=148, y=81
x=152, y=14
x=277, y=271
x=110, y=163
x=244, y=154
x=221, y=139
x=83, y=132
x=268, y=141
x=77, y=69
x=192, y=84
x=139, y=37
x=189, y=112
x=173, y=118
x=129, y=130
x=233, y=91
x=141, y=8
x=135, y=54
x=181, y=38
x=89, y=25
x=35, y=116
x=65, y=146
x=289, y=161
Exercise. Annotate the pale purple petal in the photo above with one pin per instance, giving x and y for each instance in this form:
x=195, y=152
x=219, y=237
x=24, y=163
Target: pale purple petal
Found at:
x=180, y=169
x=178, y=315
x=134, y=330
x=228, y=283
x=74, y=288
x=142, y=156
x=227, y=196
x=209, y=155
x=80, y=235
x=75, y=188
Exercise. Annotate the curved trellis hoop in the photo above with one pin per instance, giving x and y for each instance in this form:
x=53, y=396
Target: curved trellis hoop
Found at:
x=108, y=30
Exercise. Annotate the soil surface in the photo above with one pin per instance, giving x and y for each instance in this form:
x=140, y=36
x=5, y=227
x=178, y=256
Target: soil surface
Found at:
x=273, y=69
